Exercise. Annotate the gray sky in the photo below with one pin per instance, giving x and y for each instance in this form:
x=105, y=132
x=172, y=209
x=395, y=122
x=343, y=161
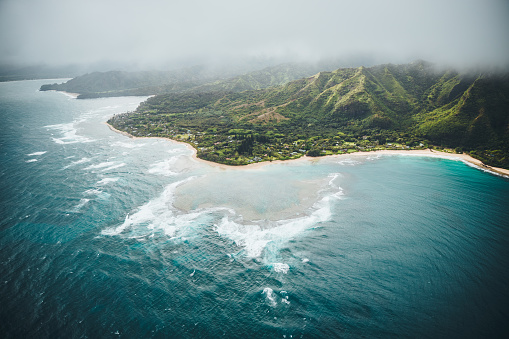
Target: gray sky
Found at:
x=154, y=33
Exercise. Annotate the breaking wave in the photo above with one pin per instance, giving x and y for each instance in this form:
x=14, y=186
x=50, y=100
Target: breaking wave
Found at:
x=69, y=132
x=158, y=215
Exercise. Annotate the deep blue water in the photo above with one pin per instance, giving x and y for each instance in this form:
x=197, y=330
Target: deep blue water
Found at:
x=106, y=236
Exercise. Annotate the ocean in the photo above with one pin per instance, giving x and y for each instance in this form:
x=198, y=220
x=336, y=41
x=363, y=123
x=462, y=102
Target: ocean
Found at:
x=102, y=235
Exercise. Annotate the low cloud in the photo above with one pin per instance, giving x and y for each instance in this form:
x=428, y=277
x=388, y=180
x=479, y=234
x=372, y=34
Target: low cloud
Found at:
x=156, y=33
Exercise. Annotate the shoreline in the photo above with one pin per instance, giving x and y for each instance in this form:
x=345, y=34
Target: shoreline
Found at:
x=68, y=94
x=72, y=95
x=424, y=152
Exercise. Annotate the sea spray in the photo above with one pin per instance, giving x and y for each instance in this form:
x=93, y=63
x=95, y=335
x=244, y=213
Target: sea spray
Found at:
x=156, y=215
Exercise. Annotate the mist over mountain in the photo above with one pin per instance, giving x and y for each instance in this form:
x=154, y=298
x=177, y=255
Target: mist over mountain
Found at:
x=167, y=35
x=407, y=105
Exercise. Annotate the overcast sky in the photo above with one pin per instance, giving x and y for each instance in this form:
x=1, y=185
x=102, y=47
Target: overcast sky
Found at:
x=153, y=33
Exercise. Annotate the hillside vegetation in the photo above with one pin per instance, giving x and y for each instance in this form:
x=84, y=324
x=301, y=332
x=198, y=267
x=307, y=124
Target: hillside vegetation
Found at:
x=189, y=80
x=386, y=106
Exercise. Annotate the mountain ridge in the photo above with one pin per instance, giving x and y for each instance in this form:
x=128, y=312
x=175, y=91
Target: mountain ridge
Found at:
x=193, y=79
x=408, y=104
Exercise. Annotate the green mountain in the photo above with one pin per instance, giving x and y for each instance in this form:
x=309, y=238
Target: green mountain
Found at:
x=121, y=83
x=195, y=79
x=267, y=77
x=407, y=105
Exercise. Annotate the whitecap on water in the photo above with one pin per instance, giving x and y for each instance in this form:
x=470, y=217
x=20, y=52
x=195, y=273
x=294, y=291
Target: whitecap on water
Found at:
x=36, y=153
x=31, y=160
x=82, y=203
x=255, y=238
x=69, y=134
x=92, y=192
x=130, y=145
x=106, y=181
x=158, y=215
x=100, y=165
x=81, y=161
x=113, y=167
x=280, y=267
x=105, y=166
x=270, y=296
x=163, y=167
x=348, y=162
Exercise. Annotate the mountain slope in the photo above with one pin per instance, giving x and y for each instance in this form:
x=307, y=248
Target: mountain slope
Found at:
x=407, y=105
x=195, y=79
x=476, y=117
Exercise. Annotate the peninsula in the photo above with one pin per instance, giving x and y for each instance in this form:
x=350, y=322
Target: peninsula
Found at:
x=386, y=107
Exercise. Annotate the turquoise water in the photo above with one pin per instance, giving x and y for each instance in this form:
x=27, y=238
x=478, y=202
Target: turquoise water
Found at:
x=106, y=236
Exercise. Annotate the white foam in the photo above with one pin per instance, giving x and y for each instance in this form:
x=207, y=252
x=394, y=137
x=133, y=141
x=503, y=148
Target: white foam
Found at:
x=130, y=145
x=101, y=165
x=157, y=215
x=69, y=134
x=348, y=162
x=174, y=150
x=113, y=167
x=81, y=161
x=333, y=177
x=280, y=267
x=31, y=160
x=270, y=296
x=255, y=238
x=484, y=169
x=163, y=167
x=82, y=203
x=251, y=237
x=36, y=153
x=106, y=181
x=92, y=192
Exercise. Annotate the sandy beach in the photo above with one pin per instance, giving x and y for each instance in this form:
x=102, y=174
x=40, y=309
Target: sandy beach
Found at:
x=424, y=152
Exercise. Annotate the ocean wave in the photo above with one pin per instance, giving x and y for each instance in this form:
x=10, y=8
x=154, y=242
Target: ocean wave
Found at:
x=81, y=161
x=268, y=237
x=92, y=191
x=69, y=134
x=255, y=238
x=105, y=166
x=31, y=160
x=163, y=167
x=280, y=267
x=100, y=165
x=113, y=167
x=130, y=145
x=36, y=153
x=348, y=162
x=484, y=169
x=158, y=215
x=107, y=181
x=270, y=296
x=80, y=205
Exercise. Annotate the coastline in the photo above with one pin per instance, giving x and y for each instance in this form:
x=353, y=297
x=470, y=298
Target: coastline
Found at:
x=72, y=95
x=424, y=152
x=68, y=94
